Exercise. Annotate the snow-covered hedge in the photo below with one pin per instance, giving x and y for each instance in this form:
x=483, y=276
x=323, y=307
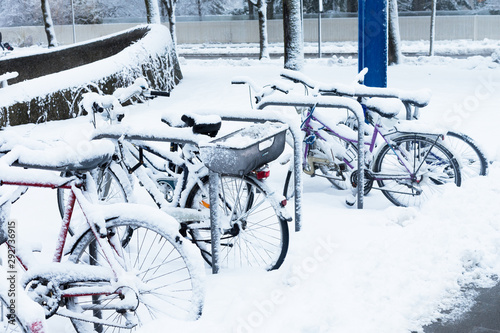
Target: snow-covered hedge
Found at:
x=106, y=64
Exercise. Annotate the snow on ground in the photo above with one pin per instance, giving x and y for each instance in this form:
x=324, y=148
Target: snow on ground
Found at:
x=381, y=269
x=456, y=48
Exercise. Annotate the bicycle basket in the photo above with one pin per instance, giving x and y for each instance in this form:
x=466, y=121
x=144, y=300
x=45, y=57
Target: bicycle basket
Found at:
x=245, y=150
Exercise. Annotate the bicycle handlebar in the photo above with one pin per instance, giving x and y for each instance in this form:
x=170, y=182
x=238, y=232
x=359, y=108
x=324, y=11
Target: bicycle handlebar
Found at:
x=159, y=93
x=96, y=103
x=418, y=98
x=260, y=93
x=140, y=87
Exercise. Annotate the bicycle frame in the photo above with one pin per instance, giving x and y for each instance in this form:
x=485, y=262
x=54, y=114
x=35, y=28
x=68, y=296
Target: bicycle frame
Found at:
x=76, y=196
x=309, y=130
x=80, y=193
x=133, y=158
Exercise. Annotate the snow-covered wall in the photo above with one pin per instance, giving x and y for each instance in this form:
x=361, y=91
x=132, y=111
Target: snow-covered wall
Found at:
x=51, y=81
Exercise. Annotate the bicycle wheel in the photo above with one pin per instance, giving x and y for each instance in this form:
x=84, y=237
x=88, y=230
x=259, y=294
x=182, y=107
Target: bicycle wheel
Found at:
x=472, y=159
x=168, y=273
x=431, y=165
x=109, y=189
x=254, y=233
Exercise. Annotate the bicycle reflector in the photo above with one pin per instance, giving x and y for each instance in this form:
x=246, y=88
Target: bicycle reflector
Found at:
x=263, y=172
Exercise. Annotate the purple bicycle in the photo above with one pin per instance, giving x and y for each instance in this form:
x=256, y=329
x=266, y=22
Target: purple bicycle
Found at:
x=408, y=161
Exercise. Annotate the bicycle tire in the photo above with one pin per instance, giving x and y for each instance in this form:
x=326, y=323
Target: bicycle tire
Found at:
x=260, y=236
x=440, y=167
x=158, y=253
x=289, y=187
x=472, y=160
x=109, y=189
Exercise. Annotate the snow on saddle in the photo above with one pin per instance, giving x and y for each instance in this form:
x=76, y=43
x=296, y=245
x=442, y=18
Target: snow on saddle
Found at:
x=201, y=124
x=63, y=157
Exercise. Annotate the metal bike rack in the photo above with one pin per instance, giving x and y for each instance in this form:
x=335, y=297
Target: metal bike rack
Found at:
x=250, y=115
x=326, y=102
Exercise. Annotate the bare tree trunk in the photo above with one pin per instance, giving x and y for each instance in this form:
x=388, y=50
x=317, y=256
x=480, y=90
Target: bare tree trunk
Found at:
x=270, y=9
x=49, y=25
x=262, y=10
x=352, y=6
x=152, y=12
x=433, y=28
x=170, y=6
x=251, y=15
x=200, y=13
x=292, y=28
x=395, y=54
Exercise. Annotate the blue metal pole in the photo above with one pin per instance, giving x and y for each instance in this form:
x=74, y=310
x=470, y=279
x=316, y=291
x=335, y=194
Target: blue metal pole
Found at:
x=361, y=30
x=373, y=41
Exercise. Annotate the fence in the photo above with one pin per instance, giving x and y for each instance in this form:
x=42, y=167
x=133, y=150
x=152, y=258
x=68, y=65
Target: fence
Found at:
x=472, y=27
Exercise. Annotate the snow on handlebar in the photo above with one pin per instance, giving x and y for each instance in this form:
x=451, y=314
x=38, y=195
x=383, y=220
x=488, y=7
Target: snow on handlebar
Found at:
x=418, y=98
x=140, y=87
x=112, y=104
x=97, y=103
x=246, y=80
x=266, y=90
x=107, y=105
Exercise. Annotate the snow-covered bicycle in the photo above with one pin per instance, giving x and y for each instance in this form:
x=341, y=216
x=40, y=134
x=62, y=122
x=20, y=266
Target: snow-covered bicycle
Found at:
x=410, y=162
x=473, y=160
x=254, y=224
x=125, y=265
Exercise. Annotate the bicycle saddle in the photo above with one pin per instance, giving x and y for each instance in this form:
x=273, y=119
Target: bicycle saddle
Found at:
x=201, y=124
x=64, y=157
x=206, y=125
x=386, y=107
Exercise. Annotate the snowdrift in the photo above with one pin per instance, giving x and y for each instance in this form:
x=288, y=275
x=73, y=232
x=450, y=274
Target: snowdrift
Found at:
x=50, y=82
